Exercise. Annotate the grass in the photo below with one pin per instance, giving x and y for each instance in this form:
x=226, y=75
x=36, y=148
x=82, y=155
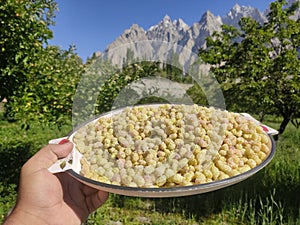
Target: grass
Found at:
x=16, y=146
x=268, y=197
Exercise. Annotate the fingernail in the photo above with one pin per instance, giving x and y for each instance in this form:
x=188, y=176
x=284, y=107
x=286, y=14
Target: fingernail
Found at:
x=63, y=141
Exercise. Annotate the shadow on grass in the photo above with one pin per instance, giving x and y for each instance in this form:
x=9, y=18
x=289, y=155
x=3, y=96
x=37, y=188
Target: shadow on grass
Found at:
x=12, y=158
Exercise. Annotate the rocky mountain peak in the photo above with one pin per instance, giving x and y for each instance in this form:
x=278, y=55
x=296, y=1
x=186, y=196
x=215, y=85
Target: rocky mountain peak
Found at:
x=238, y=12
x=236, y=8
x=202, y=29
x=166, y=22
x=180, y=24
x=134, y=33
x=166, y=19
x=209, y=17
x=168, y=30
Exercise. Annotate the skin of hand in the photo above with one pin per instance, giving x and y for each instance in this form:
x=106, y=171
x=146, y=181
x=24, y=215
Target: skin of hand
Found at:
x=45, y=198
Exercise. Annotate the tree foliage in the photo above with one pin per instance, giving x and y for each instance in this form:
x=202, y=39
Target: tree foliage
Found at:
x=104, y=87
x=48, y=93
x=258, y=65
x=102, y=83
x=118, y=82
x=24, y=29
x=38, y=80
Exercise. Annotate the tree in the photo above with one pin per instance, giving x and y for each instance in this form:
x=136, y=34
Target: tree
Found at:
x=118, y=82
x=47, y=95
x=38, y=80
x=258, y=65
x=24, y=29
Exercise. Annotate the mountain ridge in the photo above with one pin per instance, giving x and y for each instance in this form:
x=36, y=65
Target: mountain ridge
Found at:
x=177, y=32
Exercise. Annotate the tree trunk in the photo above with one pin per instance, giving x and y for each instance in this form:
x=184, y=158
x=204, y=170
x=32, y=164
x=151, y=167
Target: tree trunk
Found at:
x=283, y=125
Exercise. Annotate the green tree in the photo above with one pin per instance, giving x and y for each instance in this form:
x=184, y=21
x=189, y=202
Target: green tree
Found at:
x=258, y=65
x=102, y=83
x=120, y=79
x=38, y=80
x=24, y=29
x=48, y=93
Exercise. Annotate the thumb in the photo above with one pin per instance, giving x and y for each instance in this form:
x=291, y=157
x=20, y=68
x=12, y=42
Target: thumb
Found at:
x=47, y=156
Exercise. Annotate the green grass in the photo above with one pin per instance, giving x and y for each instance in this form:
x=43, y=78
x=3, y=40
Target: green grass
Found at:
x=268, y=197
x=16, y=147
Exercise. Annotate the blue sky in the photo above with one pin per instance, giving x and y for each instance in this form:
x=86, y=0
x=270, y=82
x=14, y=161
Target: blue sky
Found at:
x=91, y=25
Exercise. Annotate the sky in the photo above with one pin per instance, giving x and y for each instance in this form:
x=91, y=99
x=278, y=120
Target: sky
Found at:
x=91, y=25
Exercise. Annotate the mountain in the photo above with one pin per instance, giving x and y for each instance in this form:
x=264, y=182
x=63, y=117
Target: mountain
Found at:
x=134, y=33
x=169, y=36
x=172, y=31
x=207, y=25
x=168, y=30
x=238, y=12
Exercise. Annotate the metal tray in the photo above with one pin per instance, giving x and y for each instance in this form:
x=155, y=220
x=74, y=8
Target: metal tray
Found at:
x=167, y=191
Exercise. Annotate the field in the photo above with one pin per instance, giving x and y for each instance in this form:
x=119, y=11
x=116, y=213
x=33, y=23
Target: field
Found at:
x=269, y=197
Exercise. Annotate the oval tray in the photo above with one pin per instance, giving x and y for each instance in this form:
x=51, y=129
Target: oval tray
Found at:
x=167, y=191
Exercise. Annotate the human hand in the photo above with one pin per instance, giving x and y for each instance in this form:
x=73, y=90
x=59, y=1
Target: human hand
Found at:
x=46, y=198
